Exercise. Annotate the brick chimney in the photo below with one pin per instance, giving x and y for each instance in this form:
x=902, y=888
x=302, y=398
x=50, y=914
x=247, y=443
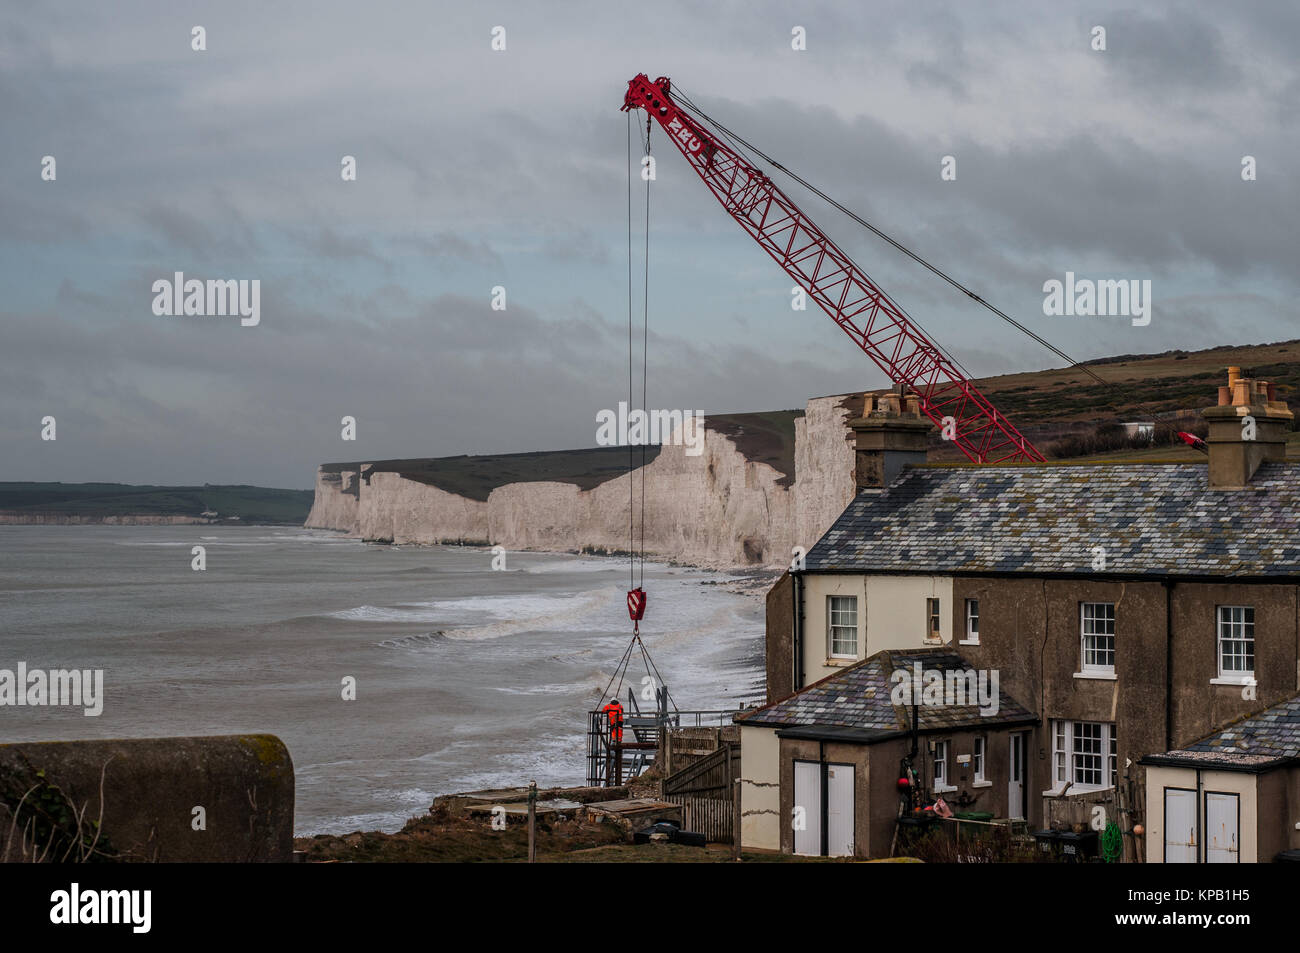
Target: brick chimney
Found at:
x=1234, y=455
x=889, y=435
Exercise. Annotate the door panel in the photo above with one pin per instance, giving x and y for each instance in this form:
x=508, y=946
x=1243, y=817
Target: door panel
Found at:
x=1221, y=816
x=1180, y=826
x=1016, y=775
x=839, y=810
x=808, y=796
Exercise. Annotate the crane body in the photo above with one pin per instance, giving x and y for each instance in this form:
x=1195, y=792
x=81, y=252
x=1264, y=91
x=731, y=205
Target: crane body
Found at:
x=839, y=287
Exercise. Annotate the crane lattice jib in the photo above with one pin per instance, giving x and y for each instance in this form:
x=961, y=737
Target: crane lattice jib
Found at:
x=839, y=287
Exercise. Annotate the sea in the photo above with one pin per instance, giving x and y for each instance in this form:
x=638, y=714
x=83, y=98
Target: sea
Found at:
x=466, y=676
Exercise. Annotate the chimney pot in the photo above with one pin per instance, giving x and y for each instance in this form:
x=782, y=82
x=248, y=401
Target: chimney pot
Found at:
x=1233, y=458
x=886, y=440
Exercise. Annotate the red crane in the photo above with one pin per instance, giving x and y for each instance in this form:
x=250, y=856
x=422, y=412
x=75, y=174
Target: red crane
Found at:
x=830, y=278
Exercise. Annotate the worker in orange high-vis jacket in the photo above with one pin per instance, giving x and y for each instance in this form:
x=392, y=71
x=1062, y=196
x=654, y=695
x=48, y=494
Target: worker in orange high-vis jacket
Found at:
x=614, y=712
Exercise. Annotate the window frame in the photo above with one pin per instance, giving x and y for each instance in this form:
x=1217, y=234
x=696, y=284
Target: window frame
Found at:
x=941, y=784
x=831, y=626
x=972, y=633
x=1246, y=638
x=1103, y=755
x=933, y=619
x=1093, y=668
x=979, y=759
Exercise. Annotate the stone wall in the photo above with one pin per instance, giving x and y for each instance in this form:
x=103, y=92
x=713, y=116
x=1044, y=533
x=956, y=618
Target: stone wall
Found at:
x=136, y=800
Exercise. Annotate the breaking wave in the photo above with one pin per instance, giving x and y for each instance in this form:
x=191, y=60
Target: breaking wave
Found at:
x=529, y=613
x=414, y=641
x=497, y=616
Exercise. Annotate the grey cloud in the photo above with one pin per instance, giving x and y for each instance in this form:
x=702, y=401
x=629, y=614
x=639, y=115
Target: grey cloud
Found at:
x=228, y=165
x=329, y=243
x=445, y=249
x=174, y=227
x=1178, y=50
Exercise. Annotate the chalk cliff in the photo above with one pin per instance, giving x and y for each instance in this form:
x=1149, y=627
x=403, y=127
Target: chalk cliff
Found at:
x=751, y=496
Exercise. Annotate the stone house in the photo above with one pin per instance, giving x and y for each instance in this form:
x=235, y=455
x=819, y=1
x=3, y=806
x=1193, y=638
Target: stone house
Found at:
x=1133, y=608
x=829, y=757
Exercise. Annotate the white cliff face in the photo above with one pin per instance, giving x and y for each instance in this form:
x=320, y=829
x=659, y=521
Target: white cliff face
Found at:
x=404, y=511
x=823, y=465
x=336, y=503
x=716, y=510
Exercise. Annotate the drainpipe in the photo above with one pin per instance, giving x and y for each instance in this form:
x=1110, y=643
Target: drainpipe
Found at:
x=915, y=740
x=1200, y=823
x=798, y=632
x=826, y=799
x=1169, y=664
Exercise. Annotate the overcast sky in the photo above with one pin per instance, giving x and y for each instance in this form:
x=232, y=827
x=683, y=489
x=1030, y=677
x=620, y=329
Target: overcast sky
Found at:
x=478, y=168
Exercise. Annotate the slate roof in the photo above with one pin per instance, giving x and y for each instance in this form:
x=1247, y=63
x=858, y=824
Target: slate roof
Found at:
x=1269, y=739
x=1152, y=520
x=859, y=698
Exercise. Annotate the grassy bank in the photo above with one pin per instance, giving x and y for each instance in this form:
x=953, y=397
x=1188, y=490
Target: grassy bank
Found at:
x=91, y=501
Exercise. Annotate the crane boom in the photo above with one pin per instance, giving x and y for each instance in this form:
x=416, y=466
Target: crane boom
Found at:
x=838, y=286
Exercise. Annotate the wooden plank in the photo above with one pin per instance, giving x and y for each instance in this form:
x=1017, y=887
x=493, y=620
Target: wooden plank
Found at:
x=712, y=773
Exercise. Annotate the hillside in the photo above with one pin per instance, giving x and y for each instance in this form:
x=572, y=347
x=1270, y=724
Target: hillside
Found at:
x=125, y=503
x=1140, y=385
x=1174, y=385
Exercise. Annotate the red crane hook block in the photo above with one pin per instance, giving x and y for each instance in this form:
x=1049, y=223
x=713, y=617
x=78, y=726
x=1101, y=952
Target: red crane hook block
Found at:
x=636, y=604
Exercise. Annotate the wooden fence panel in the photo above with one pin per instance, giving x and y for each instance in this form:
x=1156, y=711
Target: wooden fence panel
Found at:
x=710, y=816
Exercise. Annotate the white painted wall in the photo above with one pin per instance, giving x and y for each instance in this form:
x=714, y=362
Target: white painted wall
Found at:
x=760, y=798
x=891, y=615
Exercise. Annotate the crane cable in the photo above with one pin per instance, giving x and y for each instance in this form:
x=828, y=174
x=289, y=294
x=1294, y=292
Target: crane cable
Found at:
x=645, y=349
x=631, y=509
x=636, y=553
x=651, y=670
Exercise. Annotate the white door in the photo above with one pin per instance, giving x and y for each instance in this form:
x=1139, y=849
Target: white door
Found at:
x=807, y=819
x=1180, y=826
x=839, y=810
x=1016, y=776
x=1221, y=816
